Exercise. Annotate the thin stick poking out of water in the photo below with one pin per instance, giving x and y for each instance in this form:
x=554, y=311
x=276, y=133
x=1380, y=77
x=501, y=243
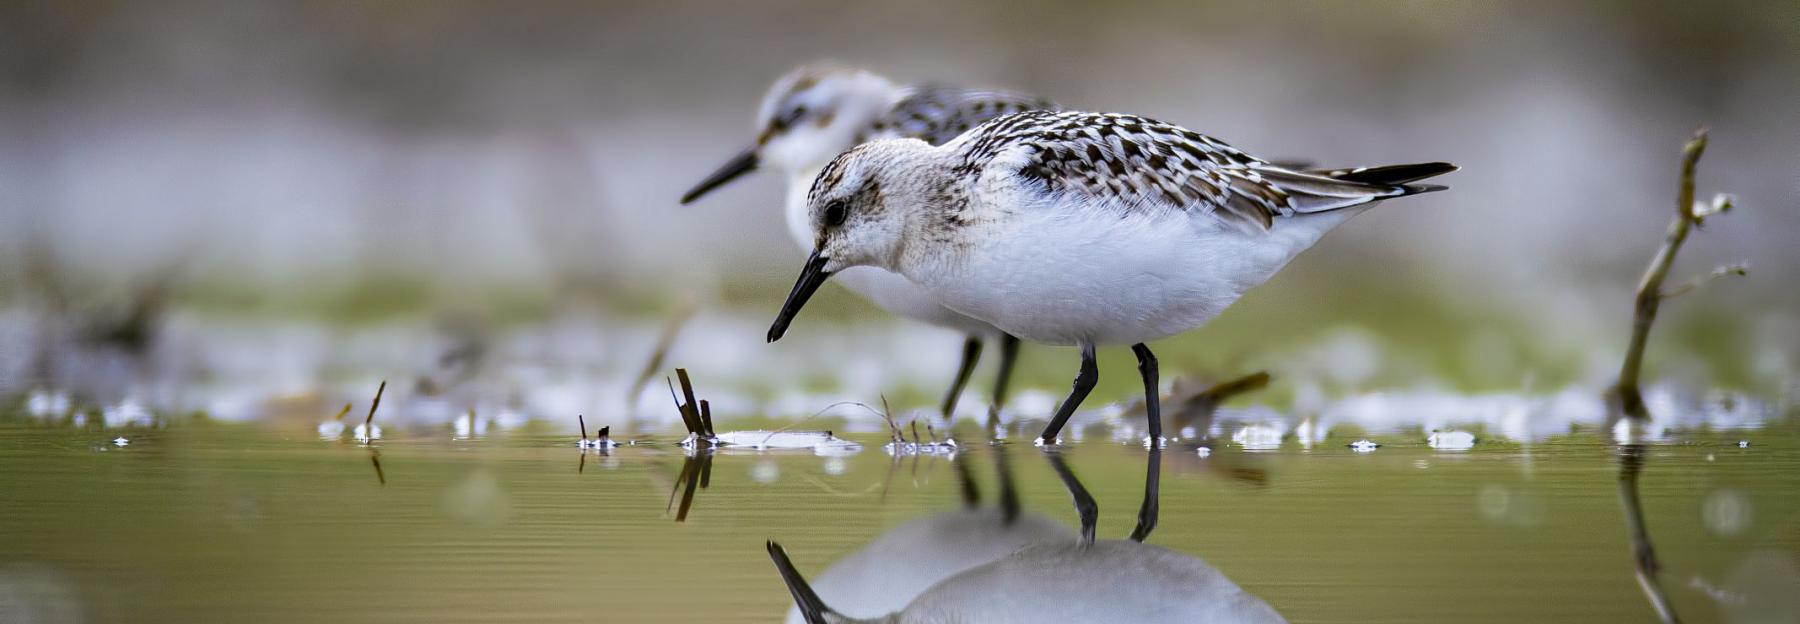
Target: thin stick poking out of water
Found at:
x=370, y=420
x=1650, y=294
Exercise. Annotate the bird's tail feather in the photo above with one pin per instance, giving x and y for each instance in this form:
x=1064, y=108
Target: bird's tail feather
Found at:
x=1390, y=174
x=1324, y=190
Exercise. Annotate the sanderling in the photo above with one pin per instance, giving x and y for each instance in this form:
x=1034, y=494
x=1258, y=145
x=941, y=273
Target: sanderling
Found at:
x=1082, y=229
x=815, y=113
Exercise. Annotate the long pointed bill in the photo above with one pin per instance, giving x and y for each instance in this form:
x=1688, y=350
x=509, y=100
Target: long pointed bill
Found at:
x=740, y=164
x=811, y=277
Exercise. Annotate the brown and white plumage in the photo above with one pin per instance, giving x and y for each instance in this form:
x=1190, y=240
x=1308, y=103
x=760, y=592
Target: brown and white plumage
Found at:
x=936, y=114
x=1132, y=163
x=814, y=113
x=1080, y=228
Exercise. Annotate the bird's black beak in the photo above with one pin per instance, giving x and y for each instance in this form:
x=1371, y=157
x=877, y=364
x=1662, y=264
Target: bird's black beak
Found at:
x=811, y=277
x=740, y=164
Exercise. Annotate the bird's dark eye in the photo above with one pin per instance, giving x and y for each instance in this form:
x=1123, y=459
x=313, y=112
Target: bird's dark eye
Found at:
x=791, y=118
x=835, y=213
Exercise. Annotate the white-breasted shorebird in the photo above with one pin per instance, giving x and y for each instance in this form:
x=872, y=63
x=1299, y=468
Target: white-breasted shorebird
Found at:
x=815, y=113
x=1083, y=229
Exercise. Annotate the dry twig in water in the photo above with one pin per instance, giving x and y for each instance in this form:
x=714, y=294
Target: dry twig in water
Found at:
x=1650, y=294
x=370, y=419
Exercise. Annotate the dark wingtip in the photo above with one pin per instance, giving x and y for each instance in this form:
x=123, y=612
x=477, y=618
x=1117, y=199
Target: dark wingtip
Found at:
x=1395, y=174
x=811, y=607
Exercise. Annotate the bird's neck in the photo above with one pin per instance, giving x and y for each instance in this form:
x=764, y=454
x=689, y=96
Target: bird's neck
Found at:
x=934, y=203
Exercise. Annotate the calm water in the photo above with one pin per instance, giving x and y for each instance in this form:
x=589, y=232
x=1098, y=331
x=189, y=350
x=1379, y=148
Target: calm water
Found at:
x=240, y=522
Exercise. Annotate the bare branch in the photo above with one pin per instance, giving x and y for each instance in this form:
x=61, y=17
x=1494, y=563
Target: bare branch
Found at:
x=1739, y=269
x=1650, y=292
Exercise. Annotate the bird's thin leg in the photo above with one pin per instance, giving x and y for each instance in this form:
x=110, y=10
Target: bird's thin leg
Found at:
x=970, y=354
x=1009, y=352
x=1084, y=502
x=1152, y=495
x=1152, y=400
x=1084, y=383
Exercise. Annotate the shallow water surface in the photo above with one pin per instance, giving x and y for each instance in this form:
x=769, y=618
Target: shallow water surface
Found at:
x=239, y=522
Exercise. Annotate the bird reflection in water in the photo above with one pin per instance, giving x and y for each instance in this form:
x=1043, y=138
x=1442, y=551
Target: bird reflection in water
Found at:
x=887, y=573
x=1056, y=579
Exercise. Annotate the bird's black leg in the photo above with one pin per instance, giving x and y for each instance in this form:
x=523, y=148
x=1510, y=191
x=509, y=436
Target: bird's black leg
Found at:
x=1009, y=352
x=1152, y=400
x=971, y=353
x=1084, y=383
x=1152, y=496
x=1084, y=502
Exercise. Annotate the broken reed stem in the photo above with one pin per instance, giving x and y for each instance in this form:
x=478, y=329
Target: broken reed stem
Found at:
x=690, y=410
x=706, y=417
x=372, y=405
x=1650, y=293
x=887, y=415
x=583, y=422
x=342, y=412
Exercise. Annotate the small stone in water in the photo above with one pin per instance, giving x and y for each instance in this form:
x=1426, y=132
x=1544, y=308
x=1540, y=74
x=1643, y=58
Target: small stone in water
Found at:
x=1364, y=446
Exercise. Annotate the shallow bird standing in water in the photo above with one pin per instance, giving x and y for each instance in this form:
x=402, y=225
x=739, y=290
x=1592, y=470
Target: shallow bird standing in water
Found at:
x=1083, y=229
x=815, y=113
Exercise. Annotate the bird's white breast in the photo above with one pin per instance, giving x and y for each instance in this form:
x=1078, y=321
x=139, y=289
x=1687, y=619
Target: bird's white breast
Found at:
x=1064, y=271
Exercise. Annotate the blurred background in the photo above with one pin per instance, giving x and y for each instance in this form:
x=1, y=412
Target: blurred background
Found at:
x=218, y=207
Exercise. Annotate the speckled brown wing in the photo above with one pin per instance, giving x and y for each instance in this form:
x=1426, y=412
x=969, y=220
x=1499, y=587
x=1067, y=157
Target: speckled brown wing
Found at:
x=1131, y=163
x=937, y=114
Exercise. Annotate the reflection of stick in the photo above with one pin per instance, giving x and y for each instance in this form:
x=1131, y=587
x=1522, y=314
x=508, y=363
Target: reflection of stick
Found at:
x=1650, y=293
x=1631, y=462
x=375, y=458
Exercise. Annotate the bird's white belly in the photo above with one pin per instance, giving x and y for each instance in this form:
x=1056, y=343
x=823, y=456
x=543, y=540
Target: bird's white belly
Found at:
x=887, y=290
x=1074, y=274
